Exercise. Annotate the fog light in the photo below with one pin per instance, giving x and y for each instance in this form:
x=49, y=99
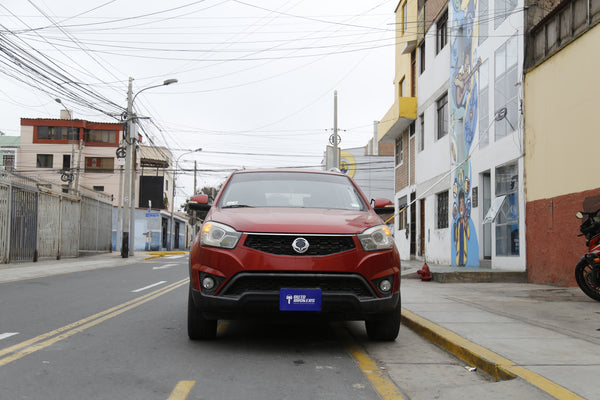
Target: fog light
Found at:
x=385, y=285
x=208, y=283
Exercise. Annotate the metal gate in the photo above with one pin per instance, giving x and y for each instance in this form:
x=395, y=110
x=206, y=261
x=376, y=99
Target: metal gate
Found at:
x=23, y=224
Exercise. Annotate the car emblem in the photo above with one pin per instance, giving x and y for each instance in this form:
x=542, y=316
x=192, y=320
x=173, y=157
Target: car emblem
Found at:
x=300, y=245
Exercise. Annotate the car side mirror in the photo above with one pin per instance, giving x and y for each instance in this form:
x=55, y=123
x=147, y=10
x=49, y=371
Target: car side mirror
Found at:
x=383, y=206
x=199, y=202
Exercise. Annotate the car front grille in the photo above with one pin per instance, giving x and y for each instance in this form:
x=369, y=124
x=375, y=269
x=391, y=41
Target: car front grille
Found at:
x=257, y=282
x=282, y=244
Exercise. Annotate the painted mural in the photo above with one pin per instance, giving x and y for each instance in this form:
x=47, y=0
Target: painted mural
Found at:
x=462, y=99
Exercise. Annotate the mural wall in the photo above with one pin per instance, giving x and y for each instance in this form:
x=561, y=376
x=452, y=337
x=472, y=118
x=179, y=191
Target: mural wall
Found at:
x=462, y=98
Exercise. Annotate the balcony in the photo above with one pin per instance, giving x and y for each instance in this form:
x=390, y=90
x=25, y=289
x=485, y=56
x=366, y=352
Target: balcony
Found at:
x=397, y=119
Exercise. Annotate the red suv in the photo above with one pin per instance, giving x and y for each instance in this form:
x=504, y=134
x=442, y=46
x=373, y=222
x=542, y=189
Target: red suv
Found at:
x=293, y=244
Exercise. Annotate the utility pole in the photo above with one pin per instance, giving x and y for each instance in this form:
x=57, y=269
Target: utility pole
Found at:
x=79, y=133
x=195, y=171
x=133, y=139
x=336, y=161
x=127, y=185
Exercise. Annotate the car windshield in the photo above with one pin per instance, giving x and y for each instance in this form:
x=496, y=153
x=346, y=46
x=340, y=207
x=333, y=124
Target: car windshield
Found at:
x=291, y=189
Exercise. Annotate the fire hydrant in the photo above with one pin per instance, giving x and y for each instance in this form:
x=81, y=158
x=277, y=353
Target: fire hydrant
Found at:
x=425, y=273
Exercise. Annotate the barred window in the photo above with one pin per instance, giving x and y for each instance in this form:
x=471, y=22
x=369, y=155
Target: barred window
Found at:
x=442, y=210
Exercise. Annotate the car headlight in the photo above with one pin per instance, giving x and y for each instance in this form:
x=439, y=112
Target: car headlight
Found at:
x=377, y=238
x=215, y=234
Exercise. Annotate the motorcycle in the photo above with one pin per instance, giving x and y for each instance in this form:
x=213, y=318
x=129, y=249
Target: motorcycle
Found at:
x=587, y=271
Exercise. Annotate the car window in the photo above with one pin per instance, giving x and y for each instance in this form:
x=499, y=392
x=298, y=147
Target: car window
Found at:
x=291, y=189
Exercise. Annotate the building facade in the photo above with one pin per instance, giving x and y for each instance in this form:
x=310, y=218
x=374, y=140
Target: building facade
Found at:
x=81, y=155
x=9, y=145
x=459, y=126
x=561, y=130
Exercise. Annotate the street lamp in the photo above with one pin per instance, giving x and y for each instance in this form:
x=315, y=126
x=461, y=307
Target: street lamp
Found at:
x=172, y=241
x=130, y=158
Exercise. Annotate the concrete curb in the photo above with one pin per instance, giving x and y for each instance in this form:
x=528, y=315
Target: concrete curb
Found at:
x=473, y=354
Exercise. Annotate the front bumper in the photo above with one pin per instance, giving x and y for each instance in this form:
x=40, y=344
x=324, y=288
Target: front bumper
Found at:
x=336, y=305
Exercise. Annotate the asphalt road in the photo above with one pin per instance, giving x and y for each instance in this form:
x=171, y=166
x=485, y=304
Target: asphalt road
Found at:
x=120, y=333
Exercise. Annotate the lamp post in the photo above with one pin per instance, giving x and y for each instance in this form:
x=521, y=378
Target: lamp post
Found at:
x=172, y=241
x=130, y=163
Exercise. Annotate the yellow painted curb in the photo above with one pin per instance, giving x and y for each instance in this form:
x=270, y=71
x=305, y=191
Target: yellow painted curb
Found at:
x=486, y=360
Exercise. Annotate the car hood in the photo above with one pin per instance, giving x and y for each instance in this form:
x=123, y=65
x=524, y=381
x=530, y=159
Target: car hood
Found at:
x=295, y=220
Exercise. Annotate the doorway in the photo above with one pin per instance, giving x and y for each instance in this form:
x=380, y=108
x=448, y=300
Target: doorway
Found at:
x=486, y=183
x=165, y=232
x=413, y=225
x=422, y=227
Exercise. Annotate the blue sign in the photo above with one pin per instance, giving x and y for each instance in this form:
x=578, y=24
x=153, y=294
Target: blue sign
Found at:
x=300, y=299
x=151, y=214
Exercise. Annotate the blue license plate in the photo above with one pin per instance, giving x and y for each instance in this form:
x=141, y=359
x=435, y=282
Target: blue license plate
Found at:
x=300, y=299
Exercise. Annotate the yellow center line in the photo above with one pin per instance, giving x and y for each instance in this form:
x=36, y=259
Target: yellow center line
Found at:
x=182, y=390
x=379, y=379
x=49, y=338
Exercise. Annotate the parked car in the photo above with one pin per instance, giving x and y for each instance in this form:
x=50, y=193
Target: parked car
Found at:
x=293, y=244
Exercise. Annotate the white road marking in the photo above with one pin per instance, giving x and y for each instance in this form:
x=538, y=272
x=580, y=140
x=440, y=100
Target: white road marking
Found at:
x=7, y=335
x=148, y=287
x=165, y=266
x=176, y=256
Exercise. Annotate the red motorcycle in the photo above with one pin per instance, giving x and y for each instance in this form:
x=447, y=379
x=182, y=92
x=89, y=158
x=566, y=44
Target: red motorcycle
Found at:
x=587, y=271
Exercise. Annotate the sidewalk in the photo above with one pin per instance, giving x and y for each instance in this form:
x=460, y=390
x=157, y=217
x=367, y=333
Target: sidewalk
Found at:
x=29, y=270
x=546, y=335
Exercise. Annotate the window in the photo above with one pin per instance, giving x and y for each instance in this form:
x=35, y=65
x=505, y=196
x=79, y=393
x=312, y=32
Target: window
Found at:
x=506, y=90
x=8, y=160
x=405, y=18
x=57, y=133
x=44, y=161
x=422, y=57
x=502, y=9
x=483, y=20
x=411, y=130
x=484, y=105
x=442, y=116
x=400, y=149
x=442, y=210
x=402, y=216
x=421, y=132
x=99, y=164
x=100, y=136
x=507, y=219
x=441, y=32
x=66, y=165
x=98, y=188
x=402, y=86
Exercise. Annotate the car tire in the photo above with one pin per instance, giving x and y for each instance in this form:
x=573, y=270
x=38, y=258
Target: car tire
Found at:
x=384, y=327
x=199, y=328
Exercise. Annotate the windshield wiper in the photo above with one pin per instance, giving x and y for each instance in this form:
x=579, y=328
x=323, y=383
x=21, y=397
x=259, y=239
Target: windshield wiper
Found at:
x=237, y=206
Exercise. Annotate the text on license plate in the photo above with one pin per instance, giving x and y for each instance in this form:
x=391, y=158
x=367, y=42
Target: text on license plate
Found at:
x=300, y=299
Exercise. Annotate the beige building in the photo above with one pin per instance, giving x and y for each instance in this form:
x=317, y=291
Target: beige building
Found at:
x=77, y=155
x=561, y=133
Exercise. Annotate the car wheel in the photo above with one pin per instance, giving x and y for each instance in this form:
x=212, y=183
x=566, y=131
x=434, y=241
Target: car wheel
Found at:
x=384, y=327
x=199, y=328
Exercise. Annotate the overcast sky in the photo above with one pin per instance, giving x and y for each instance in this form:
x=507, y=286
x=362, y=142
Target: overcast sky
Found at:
x=256, y=78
